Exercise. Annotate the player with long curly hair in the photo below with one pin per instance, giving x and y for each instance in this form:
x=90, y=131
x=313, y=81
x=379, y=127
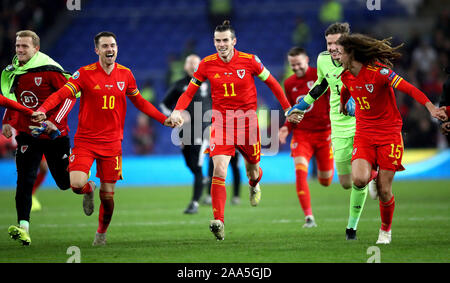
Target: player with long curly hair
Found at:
x=370, y=81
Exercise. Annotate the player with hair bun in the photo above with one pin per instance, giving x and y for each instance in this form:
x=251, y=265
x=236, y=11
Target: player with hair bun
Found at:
x=234, y=121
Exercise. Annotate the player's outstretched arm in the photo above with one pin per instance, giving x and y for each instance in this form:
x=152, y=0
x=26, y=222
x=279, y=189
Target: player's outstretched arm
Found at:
x=11, y=104
x=420, y=97
x=52, y=101
x=277, y=90
x=147, y=108
x=314, y=94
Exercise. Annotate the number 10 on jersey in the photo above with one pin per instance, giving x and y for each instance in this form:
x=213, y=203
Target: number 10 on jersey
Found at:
x=108, y=103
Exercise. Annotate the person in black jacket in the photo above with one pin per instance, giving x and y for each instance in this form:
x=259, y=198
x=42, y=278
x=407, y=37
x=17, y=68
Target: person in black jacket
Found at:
x=193, y=143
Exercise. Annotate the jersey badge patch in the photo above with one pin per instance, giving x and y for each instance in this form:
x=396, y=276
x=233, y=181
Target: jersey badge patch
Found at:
x=241, y=73
x=23, y=148
x=384, y=71
x=369, y=87
x=38, y=81
x=76, y=75
x=121, y=85
x=391, y=76
x=217, y=76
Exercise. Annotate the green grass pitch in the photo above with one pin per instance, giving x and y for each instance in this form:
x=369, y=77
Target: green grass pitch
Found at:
x=148, y=225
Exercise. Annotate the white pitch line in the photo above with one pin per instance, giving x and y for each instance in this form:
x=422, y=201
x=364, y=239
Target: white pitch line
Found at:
x=200, y=222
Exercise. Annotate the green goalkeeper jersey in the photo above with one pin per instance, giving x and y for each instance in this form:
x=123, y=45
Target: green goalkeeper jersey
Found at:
x=328, y=75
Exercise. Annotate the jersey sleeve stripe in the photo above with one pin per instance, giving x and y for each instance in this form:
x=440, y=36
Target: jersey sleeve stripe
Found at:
x=264, y=74
x=72, y=88
x=133, y=93
x=395, y=80
x=398, y=81
x=63, y=110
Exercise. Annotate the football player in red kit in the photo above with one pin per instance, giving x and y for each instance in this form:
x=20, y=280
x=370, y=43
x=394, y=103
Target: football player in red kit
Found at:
x=104, y=86
x=312, y=136
x=378, y=140
x=234, y=120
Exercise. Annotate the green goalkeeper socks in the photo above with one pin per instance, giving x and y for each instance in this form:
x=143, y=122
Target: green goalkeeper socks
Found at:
x=357, y=200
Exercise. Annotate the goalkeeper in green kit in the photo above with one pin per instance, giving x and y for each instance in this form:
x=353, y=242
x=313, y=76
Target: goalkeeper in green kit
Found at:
x=329, y=70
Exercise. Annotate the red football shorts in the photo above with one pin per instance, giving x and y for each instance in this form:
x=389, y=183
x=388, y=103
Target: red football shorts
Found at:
x=307, y=144
x=383, y=151
x=247, y=141
x=109, y=168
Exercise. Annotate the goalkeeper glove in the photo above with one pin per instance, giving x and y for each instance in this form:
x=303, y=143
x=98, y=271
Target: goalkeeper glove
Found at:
x=350, y=107
x=36, y=131
x=300, y=107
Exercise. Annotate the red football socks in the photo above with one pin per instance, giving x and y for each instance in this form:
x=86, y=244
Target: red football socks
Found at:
x=84, y=190
x=301, y=174
x=253, y=183
x=218, y=197
x=106, y=211
x=387, y=212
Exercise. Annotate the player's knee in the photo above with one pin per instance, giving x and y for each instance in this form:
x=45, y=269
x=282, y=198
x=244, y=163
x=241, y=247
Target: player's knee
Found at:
x=325, y=181
x=220, y=171
x=384, y=194
x=359, y=181
x=346, y=184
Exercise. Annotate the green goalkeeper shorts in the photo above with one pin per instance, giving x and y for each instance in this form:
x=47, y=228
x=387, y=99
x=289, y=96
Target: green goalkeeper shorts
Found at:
x=342, y=153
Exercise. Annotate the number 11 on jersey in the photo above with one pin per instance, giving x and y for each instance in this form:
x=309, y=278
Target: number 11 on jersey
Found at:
x=232, y=90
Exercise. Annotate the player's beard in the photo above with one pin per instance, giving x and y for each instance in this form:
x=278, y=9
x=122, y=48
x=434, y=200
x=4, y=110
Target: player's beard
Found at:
x=226, y=54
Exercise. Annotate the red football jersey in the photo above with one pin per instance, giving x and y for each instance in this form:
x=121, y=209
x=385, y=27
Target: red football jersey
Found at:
x=232, y=84
x=317, y=116
x=376, y=109
x=32, y=89
x=103, y=105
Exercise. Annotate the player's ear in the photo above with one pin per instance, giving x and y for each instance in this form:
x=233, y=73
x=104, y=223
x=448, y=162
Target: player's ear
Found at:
x=96, y=50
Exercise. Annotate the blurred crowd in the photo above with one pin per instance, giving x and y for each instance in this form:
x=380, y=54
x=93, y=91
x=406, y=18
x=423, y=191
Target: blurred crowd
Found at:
x=15, y=15
x=422, y=64
x=425, y=56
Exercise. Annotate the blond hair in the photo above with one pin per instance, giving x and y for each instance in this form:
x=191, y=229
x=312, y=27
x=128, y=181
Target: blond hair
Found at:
x=29, y=33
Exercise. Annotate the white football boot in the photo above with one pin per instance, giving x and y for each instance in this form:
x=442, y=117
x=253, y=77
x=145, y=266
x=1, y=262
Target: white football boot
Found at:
x=373, y=192
x=255, y=195
x=88, y=200
x=218, y=229
x=100, y=239
x=309, y=222
x=384, y=237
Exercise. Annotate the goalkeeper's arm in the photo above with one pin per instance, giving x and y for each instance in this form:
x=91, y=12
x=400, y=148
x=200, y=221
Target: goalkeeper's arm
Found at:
x=312, y=96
